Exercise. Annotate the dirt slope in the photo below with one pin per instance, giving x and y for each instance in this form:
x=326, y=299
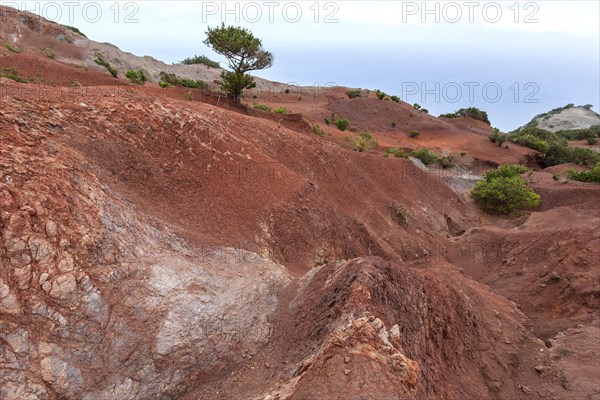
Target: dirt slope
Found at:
x=157, y=247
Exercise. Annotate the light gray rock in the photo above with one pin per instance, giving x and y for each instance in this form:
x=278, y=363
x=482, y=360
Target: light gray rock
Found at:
x=51, y=229
x=41, y=250
x=9, y=303
x=64, y=286
x=61, y=375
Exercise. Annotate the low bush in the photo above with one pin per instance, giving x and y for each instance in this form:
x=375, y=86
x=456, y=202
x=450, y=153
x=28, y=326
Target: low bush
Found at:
x=592, y=175
x=472, y=112
x=395, y=99
x=281, y=110
x=506, y=171
x=414, y=134
x=363, y=142
x=558, y=154
x=175, y=80
x=532, y=142
x=11, y=48
x=72, y=28
x=380, y=95
x=446, y=162
x=342, y=124
x=394, y=123
x=164, y=84
x=396, y=152
x=99, y=59
x=352, y=94
x=48, y=52
x=316, y=129
x=263, y=107
x=427, y=157
x=13, y=74
x=201, y=60
x=137, y=77
x=592, y=141
x=330, y=120
x=580, y=134
x=503, y=190
x=402, y=213
x=189, y=96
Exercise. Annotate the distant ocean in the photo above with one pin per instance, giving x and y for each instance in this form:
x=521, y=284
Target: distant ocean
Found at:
x=511, y=83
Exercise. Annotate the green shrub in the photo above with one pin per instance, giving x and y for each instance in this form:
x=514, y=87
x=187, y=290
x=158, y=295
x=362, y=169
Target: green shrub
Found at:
x=402, y=213
x=592, y=140
x=363, y=142
x=380, y=95
x=472, y=112
x=592, y=175
x=558, y=154
x=414, y=134
x=395, y=99
x=556, y=177
x=354, y=93
x=427, y=157
x=137, y=77
x=394, y=123
x=48, y=52
x=316, y=129
x=189, y=96
x=396, y=152
x=580, y=134
x=201, y=60
x=330, y=120
x=72, y=28
x=263, y=107
x=506, y=171
x=11, y=48
x=449, y=115
x=446, y=162
x=193, y=84
x=175, y=80
x=504, y=190
x=533, y=142
x=99, y=59
x=281, y=110
x=463, y=153
x=505, y=194
x=13, y=74
x=164, y=84
x=498, y=137
x=342, y=124
x=286, y=91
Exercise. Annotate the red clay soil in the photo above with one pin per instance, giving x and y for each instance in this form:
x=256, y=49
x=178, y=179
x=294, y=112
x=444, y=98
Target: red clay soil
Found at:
x=369, y=329
x=405, y=324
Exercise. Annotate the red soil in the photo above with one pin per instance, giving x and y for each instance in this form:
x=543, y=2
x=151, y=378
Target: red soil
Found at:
x=265, y=183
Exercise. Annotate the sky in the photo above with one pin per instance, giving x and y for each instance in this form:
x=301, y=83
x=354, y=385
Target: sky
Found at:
x=513, y=59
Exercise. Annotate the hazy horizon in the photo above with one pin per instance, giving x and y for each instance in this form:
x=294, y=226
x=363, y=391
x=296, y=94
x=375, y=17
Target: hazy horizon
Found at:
x=392, y=46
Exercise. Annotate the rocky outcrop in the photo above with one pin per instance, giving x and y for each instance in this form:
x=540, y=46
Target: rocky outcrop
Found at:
x=99, y=302
x=566, y=118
